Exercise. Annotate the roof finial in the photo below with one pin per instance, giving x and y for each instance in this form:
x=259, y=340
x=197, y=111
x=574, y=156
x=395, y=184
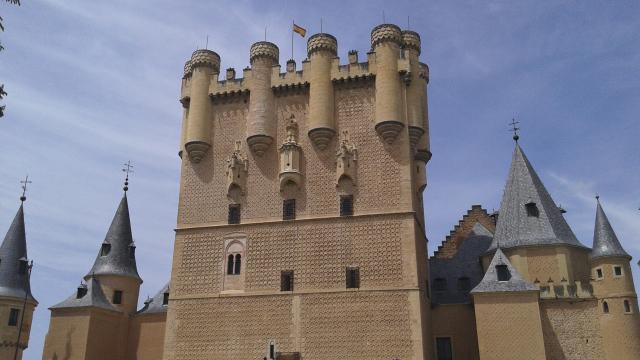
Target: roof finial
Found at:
x=597, y=197
x=128, y=170
x=24, y=183
x=515, y=129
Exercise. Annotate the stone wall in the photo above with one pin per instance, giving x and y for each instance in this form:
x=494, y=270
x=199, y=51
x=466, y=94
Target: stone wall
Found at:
x=458, y=322
x=571, y=330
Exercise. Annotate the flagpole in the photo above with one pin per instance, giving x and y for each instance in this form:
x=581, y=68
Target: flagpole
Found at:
x=293, y=24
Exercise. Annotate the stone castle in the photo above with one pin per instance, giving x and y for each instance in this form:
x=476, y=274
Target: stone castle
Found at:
x=301, y=235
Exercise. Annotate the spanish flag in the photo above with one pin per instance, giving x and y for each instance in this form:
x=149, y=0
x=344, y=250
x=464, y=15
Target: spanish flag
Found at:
x=300, y=30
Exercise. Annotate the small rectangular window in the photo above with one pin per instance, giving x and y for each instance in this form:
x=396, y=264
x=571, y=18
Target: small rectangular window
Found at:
x=353, y=278
x=22, y=267
x=289, y=209
x=532, y=209
x=627, y=307
x=13, y=317
x=117, y=297
x=346, y=205
x=443, y=348
x=440, y=284
x=234, y=214
x=599, y=274
x=286, y=281
x=503, y=273
x=165, y=298
x=617, y=271
x=105, y=249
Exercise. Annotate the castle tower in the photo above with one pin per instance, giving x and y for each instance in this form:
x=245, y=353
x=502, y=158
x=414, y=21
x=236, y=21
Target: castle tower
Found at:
x=261, y=121
x=16, y=301
x=531, y=229
x=310, y=270
x=507, y=314
x=202, y=69
x=614, y=289
x=93, y=323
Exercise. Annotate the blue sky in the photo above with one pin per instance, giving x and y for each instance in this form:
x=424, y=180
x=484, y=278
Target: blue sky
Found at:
x=94, y=84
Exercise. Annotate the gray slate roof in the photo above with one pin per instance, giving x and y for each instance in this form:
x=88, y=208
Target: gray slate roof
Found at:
x=13, y=249
x=118, y=261
x=514, y=227
x=93, y=298
x=154, y=305
x=466, y=263
x=490, y=283
x=605, y=241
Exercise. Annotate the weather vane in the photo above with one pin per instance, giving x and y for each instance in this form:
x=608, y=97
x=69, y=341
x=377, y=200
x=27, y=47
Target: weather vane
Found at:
x=127, y=169
x=515, y=129
x=24, y=183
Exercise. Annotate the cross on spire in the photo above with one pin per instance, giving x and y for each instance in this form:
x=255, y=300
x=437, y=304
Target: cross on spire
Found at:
x=515, y=129
x=24, y=183
x=127, y=169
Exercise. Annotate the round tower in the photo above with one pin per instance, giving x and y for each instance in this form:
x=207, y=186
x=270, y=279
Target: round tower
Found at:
x=205, y=66
x=16, y=302
x=186, y=79
x=261, y=121
x=386, y=40
x=613, y=287
x=115, y=266
x=321, y=49
x=416, y=87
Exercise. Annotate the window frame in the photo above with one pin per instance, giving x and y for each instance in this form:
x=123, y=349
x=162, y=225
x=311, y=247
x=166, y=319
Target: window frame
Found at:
x=626, y=305
x=599, y=272
x=605, y=307
x=502, y=270
x=532, y=209
x=435, y=347
x=352, y=280
x=14, y=317
x=344, y=209
x=287, y=278
x=234, y=216
x=613, y=270
x=118, y=296
x=289, y=209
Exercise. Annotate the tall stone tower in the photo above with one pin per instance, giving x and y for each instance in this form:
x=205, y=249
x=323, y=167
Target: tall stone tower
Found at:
x=614, y=289
x=93, y=323
x=300, y=231
x=15, y=290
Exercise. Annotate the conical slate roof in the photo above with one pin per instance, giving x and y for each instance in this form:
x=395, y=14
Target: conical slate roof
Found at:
x=155, y=304
x=516, y=227
x=490, y=282
x=120, y=259
x=13, y=250
x=94, y=297
x=605, y=241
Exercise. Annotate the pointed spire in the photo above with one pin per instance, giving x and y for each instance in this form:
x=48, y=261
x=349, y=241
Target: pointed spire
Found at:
x=14, y=277
x=605, y=241
x=501, y=276
x=117, y=254
x=528, y=214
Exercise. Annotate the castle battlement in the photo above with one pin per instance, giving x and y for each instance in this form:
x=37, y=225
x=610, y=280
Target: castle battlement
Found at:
x=393, y=63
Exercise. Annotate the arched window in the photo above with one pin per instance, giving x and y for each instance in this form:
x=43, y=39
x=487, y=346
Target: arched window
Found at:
x=230, y=265
x=605, y=307
x=627, y=307
x=238, y=264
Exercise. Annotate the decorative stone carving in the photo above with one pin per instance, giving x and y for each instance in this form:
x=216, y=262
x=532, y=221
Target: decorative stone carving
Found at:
x=290, y=156
x=346, y=160
x=237, y=169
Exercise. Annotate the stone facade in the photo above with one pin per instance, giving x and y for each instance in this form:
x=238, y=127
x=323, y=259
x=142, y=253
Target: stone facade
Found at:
x=300, y=235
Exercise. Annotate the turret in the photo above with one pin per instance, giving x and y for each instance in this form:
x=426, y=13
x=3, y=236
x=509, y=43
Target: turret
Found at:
x=115, y=266
x=16, y=302
x=261, y=121
x=205, y=67
x=186, y=79
x=416, y=87
x=386, y=40
x=321, y=49
x=614, y=289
